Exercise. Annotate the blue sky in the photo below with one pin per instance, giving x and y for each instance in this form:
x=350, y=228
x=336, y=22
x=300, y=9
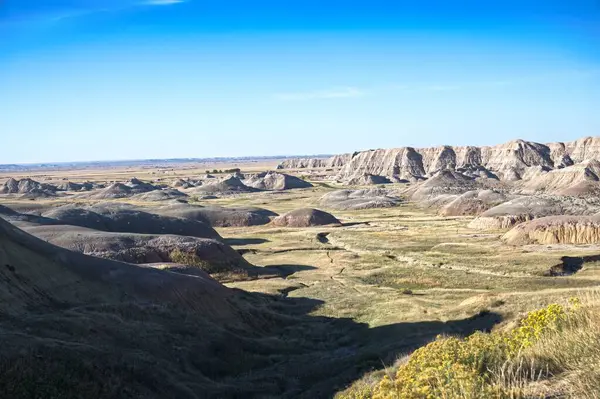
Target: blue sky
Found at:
x=95, y=80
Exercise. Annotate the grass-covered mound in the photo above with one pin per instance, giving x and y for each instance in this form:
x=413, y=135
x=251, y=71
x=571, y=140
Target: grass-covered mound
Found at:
x=552, y=352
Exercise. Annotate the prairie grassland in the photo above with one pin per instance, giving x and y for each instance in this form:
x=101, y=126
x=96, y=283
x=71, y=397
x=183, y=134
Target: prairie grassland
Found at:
x=401, y=264
x=143, y=172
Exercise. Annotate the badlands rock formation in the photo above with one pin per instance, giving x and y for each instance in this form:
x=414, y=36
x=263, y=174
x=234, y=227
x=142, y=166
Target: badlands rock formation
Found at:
x=139, y=186
x=185, y=183
x=27, y=187
x=161, y=195
x=47, y=275
x=510, y=161
x=124, y=218
x=120, y=190
x=367, y=180
x=527, y=208
x=305, y=217
x=122, y=233
x=472, y=203
x=582, y=178
x=556, y=230
x=275, y=181
x=444, y=182
x=359, y=199
x=135, y=248
x=336, y=161
x=70, y=186
x=228, y=186
x=217, y=216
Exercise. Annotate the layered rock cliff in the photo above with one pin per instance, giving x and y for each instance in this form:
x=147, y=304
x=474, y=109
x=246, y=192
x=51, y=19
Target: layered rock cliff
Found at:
x=510, y=161
x=556, y=230
x=565, y=181
x=335, y=161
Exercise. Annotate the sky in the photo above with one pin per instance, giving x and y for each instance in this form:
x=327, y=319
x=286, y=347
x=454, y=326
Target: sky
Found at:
x=84, y=80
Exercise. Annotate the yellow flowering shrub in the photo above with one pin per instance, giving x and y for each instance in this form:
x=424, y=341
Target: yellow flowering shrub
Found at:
x=445, y=365
x=532, y=327
x=452, y=367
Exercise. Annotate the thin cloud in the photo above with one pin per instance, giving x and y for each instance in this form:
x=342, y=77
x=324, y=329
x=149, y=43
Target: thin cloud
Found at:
x=439, y=87
x=344, y=92
x=62, y=14
x=515, y=81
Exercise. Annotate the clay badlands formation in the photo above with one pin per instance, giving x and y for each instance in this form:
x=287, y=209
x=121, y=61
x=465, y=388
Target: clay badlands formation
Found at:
x=504, y=185
x=515, y=160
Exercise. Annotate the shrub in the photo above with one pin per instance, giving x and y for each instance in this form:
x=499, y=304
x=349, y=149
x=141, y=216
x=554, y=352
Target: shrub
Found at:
x=453, y=367
x=192, y=259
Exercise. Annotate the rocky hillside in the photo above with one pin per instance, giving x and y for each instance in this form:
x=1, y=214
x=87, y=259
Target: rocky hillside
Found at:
x=336, y=161
x=510, y=161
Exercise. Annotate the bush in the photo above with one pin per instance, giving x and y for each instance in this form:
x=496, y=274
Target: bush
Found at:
x=452, y=367
x=192, y=259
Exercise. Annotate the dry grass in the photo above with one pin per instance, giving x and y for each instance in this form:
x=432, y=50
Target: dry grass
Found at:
x=368, y=266
x=552, y=352
x=143, y=172
x=570, y=356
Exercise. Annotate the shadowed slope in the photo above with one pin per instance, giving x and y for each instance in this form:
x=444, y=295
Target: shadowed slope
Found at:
x=127, y=219
x=137, y=248
x=217, y=216
x=36, y=273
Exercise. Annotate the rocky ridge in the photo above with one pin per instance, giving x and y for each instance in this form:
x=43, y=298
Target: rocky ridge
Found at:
x=510, y=161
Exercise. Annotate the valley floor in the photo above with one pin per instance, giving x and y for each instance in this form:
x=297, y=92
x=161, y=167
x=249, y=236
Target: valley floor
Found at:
x=402, y=264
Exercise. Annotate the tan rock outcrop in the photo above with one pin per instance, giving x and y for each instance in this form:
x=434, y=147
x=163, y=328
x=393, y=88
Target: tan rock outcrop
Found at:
x=472, y=203
x=583, y=148
x=527, y=208
x=303, y=163
x=443, y=183
x=498, y=222
x=360, y=199
x=579, y=179
x=336, y=161
x=556, y=230
x=509, y=161
x=367, y=180
x=275, y=181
